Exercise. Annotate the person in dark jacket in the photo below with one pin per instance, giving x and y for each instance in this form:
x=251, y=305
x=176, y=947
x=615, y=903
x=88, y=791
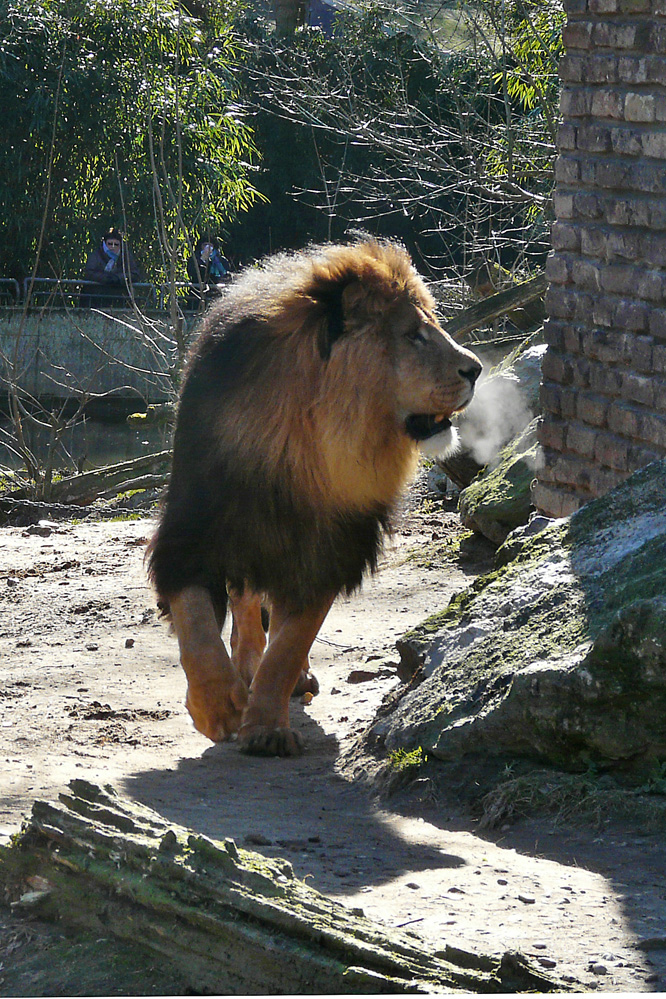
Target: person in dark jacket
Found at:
x=208, y=272
x=113, y=270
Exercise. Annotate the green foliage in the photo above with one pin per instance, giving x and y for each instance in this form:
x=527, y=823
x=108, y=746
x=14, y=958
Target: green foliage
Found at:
x=380, y=127
x=107, y=108
x=407, y=762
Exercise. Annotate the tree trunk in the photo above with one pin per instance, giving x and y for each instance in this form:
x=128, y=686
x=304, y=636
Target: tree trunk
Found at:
x=233, y=921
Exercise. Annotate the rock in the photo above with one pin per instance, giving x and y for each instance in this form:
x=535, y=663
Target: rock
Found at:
x=499, y=500
x=560, y=653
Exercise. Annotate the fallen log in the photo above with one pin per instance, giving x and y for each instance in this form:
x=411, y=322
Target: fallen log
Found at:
x=233, y=921
x=481, y=313
x=88, y=486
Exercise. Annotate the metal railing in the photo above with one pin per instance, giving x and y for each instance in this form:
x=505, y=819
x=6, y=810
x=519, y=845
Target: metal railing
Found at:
x=75, y=293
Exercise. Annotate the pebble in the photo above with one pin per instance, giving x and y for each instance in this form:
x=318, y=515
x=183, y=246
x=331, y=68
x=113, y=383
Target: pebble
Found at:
x=527, y=899
x=412, y=884
x=129, y=643
x=598, y=969
x=546, y=962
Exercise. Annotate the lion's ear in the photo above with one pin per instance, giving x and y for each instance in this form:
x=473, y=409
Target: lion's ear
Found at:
x=335, y=299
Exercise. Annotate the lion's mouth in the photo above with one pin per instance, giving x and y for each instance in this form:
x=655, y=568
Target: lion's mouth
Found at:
x=421, y=426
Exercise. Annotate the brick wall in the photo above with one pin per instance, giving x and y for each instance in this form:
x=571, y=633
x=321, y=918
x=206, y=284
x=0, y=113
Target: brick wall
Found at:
x=604, y=374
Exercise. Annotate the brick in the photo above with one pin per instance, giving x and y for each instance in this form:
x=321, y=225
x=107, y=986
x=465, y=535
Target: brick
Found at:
x=611, y=35
x=632, y=69
x=660, y=107
x=593, y=242
x=577, y=35
x=634, y=7
x=630, y=315
x=595, y=138
x=552, y=433
x=567, y=170
x=567, y=137
x=573, y=338
x=614, y=174
x=638, y=456
x=547, y=499
x=588, y=205
x=657, y=323
x=639, y=353
x=639, y=107
x=626, y=142
x=564, y=237
x=563, y=205
x=659, y=389
x=657, y=42
x=575, y=103
x=602, y=480
x=653, y=429
x=654, y=144
x=606, y=381
x=557, y=269
x=627, y=211
x=655, y=69
x=593, y=409
x=659, y=359
x=653, y=248
x=650, y=285
x=606, y=346
x=618, y=279
x=656, y=214
x=580, y=367
x=603, y=6
x=637, y=388
x=603, y=310
x=581, y=439
x=550, y=396
x=624, y=419
x=560, y=303
x=585, y=274
x=557, y=368
x=600, y=68
x=623, y=245
x=607, y=104
x=553, y=332
x=612, y=451
x=570, y=68
x=647, y=177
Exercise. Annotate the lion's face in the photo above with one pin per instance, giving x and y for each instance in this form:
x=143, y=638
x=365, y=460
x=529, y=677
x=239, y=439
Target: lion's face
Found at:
x=434, y=376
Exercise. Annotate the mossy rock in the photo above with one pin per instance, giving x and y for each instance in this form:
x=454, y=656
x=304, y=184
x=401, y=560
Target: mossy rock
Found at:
x=499, y=498
x=560, y=653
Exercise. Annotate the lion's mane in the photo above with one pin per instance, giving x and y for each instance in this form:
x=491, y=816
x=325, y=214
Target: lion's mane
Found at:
x=287, y=455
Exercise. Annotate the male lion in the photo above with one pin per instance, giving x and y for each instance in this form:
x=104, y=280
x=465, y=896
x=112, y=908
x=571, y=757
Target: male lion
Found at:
x=304, y=402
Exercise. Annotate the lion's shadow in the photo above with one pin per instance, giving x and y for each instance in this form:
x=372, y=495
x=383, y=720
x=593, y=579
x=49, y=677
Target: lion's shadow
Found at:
x=300, y=809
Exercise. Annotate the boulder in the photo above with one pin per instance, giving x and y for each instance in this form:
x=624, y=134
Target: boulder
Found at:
x=499, y=500
x=560, y=653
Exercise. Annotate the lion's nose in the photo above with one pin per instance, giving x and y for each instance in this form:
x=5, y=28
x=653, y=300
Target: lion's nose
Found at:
x=471, y=372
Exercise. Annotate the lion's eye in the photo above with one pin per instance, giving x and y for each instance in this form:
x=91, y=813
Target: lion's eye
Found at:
x=415, y=335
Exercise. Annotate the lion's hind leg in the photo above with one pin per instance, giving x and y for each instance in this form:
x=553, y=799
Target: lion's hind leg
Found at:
x=265, y=727
x=216, y=693
x=248, y=638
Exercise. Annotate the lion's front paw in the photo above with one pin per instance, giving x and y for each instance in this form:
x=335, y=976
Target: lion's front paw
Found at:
x=258, y=740
x=216, y=708
x=307, y=683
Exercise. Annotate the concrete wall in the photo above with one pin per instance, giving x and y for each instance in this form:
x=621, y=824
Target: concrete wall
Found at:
x=64, y=352
x=604, y=373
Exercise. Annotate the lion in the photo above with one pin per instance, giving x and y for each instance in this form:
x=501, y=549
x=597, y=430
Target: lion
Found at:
x=305, y=401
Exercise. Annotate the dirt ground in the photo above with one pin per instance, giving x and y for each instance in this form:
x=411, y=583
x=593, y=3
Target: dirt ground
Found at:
x=90, y=686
